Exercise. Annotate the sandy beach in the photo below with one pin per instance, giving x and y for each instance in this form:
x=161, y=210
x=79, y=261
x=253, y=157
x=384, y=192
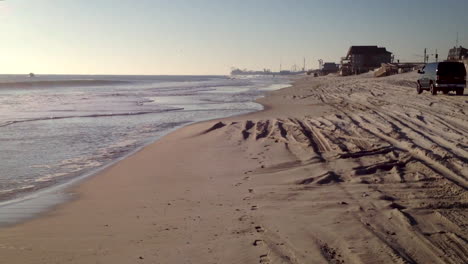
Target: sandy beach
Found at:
x=334, y=170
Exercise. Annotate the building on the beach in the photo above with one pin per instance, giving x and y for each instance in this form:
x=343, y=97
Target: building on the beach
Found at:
x=457, y=54
x=329, y=67
x=360, y=59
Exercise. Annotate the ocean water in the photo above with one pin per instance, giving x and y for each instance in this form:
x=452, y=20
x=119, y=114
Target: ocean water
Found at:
x=54, y=129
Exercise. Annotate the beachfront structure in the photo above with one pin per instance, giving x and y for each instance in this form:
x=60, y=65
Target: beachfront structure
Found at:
x=457, y=54
x=329, y=67
x=360, y=59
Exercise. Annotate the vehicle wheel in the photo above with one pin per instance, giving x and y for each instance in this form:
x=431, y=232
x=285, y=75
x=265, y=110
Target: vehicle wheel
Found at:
x=460, y=91
x=418, y=88
x=445, y=91
x=433, y=89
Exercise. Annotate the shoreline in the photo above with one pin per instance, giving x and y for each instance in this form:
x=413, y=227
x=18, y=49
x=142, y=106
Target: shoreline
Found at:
x=45, y=200
x=332, y=170
x=34, y=205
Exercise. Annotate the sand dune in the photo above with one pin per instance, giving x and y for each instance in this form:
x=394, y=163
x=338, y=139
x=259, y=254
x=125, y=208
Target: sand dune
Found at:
x=334, y=170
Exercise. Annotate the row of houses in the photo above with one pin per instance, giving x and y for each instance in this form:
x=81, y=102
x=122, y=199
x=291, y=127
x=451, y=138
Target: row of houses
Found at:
x=361, y=59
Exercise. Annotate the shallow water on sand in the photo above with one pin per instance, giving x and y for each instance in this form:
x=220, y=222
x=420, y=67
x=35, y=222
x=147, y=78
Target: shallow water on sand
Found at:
x=55, y=128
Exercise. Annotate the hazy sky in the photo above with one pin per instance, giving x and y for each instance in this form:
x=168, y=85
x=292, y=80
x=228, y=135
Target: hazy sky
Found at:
x=211, y=36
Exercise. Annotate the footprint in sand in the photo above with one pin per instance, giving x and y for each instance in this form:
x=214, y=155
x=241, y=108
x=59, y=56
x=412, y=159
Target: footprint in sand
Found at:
x=243, y=218
x=258, y=242
x=264, y=259
x=259, y=229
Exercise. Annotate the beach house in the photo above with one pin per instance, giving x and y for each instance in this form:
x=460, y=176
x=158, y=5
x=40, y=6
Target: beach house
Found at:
x=457, y=53
x=329, y=67
x=360, y=59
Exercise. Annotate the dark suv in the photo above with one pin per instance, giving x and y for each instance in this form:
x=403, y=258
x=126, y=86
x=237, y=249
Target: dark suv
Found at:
x=442, y=76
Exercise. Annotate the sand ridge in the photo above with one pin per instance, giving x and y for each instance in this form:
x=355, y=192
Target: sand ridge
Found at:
x=334, y=170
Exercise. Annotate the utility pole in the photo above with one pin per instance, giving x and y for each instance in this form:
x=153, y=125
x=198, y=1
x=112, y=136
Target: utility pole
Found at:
x=425, y=56
x=456, y=43
x=304, y=68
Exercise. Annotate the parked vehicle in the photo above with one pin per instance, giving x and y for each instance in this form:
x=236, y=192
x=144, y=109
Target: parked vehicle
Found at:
x=442, y=76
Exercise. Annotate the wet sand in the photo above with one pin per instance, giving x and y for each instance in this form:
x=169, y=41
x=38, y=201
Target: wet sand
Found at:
x=334, y=170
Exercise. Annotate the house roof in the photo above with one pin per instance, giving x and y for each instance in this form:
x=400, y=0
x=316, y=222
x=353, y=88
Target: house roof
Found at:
x=458, y=50
x=369, y=50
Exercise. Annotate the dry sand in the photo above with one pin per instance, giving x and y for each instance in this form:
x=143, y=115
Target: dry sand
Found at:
x=335, y=170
